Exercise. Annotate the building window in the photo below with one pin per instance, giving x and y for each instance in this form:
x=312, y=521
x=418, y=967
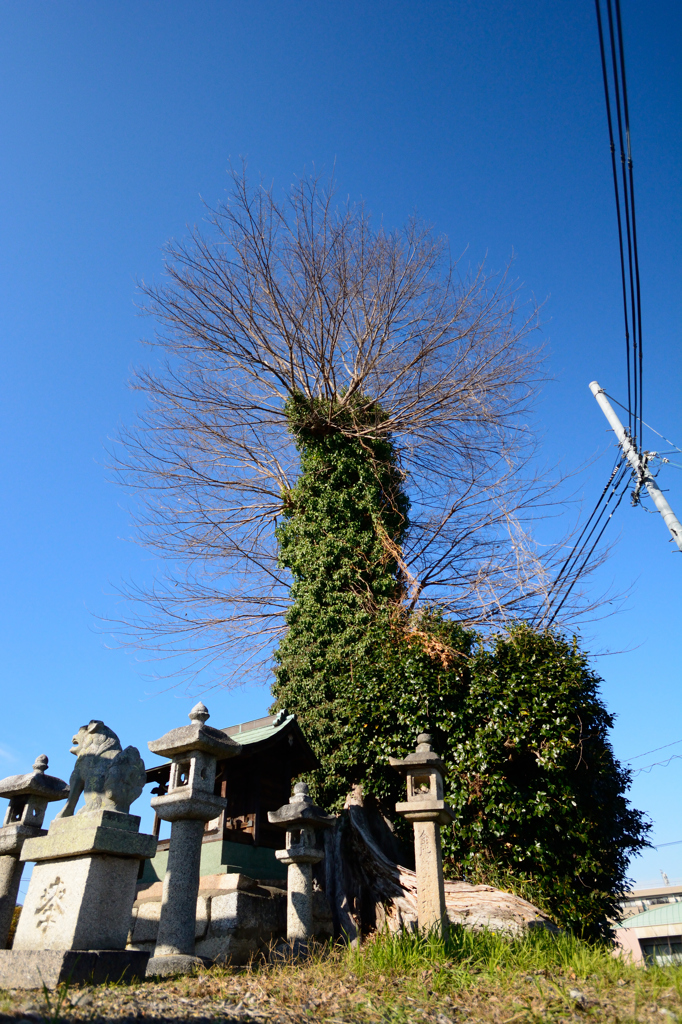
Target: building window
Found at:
x=665, y=951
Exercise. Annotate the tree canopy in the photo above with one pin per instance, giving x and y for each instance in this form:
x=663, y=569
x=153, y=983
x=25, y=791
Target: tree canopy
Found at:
x=372, y=334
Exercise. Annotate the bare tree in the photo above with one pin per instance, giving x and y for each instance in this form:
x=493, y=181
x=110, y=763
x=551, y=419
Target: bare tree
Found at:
x=305, y=297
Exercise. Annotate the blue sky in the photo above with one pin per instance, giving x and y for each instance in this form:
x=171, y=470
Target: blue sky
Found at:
x=487, y=119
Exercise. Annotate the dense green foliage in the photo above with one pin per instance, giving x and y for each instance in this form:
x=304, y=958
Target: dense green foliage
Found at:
x=532, y=778
x=517, y=718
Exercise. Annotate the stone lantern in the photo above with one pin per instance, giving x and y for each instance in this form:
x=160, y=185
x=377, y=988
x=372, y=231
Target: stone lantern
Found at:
x=300, y=817
x=189, y=802
x=29, y=796
x=427, y=810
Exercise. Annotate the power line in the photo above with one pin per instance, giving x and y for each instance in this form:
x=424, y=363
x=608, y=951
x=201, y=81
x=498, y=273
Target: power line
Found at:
x=647, y=425
x=654, y=751
x=600, y=499
x=571, y=569
x=607, y=97
x=569, y=566
x=657, y=764
x=615, y=82
x=632, y=208
x=666, y=462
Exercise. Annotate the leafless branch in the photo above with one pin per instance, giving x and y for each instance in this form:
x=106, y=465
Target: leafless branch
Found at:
x=306, y=297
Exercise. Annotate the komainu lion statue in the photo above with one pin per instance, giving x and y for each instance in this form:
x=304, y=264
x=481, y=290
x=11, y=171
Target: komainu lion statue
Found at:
x=109, y=778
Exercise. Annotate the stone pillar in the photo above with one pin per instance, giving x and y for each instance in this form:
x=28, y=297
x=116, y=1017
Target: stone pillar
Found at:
x=188, y=804
x=180, y=890
x=29, y=796
x=426, y=809
x=11, y=870
x=300, y=899
x=300, y=817
x=429, y=865
x=77, y=911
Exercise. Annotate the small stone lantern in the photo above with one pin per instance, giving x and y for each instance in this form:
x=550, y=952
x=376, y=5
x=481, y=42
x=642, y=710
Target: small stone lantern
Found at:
x=189, y=802
x=300, y=817
x=427, y=810
x=29, y=796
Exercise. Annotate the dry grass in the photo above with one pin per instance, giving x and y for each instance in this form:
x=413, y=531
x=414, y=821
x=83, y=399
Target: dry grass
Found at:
x=471, y=978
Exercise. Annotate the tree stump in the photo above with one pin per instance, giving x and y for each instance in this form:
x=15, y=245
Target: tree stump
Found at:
x=369, y=890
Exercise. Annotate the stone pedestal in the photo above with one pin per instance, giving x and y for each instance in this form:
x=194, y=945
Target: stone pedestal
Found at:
x=76, y=916
x=83, y=885
x=29, y=796
x=188, y=804
x=79, y=902
x=300, y=817
x=31, y=969
x=427, y=811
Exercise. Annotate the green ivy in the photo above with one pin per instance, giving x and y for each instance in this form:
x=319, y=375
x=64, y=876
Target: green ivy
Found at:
x=517, y=718
x=343, y=523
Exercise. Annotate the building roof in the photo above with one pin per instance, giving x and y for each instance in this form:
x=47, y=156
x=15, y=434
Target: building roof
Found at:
x=670, y=913
x=260, y=728
x=262, y=736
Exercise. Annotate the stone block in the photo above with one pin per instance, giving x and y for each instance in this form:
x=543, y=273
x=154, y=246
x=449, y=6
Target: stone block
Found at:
x=101, y=831
x=229, y=882
x=250, y=913
x=102, y=817
x=175, y=963
x=31, y=969
x=78, y=903
x=149, y=891
x=241, y=924
x=231, y=925
x=146, y=924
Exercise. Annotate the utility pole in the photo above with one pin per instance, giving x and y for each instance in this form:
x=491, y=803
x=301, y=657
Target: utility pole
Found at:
x=639, y=464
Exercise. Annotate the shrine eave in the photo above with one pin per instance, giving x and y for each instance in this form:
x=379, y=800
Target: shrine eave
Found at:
x=263, y=738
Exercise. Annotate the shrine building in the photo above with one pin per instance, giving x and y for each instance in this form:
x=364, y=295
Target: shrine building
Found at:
x=258, y=780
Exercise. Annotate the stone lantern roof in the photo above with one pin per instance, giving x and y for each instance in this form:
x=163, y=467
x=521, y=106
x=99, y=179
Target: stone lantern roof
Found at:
x=35, y=783
x=423, y=757
x=196, y=736
x=300, y=812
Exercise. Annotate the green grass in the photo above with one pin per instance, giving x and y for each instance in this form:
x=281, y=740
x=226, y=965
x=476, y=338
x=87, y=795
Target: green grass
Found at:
x=467, y=959
x=477, y=976
x=465, y=954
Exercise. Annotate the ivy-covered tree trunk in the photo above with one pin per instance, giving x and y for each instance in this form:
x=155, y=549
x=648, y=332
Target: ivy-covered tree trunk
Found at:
x=344, y=524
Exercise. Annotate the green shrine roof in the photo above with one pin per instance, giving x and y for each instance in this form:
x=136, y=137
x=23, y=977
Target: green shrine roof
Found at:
x=270, y=737
x=260, y=728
